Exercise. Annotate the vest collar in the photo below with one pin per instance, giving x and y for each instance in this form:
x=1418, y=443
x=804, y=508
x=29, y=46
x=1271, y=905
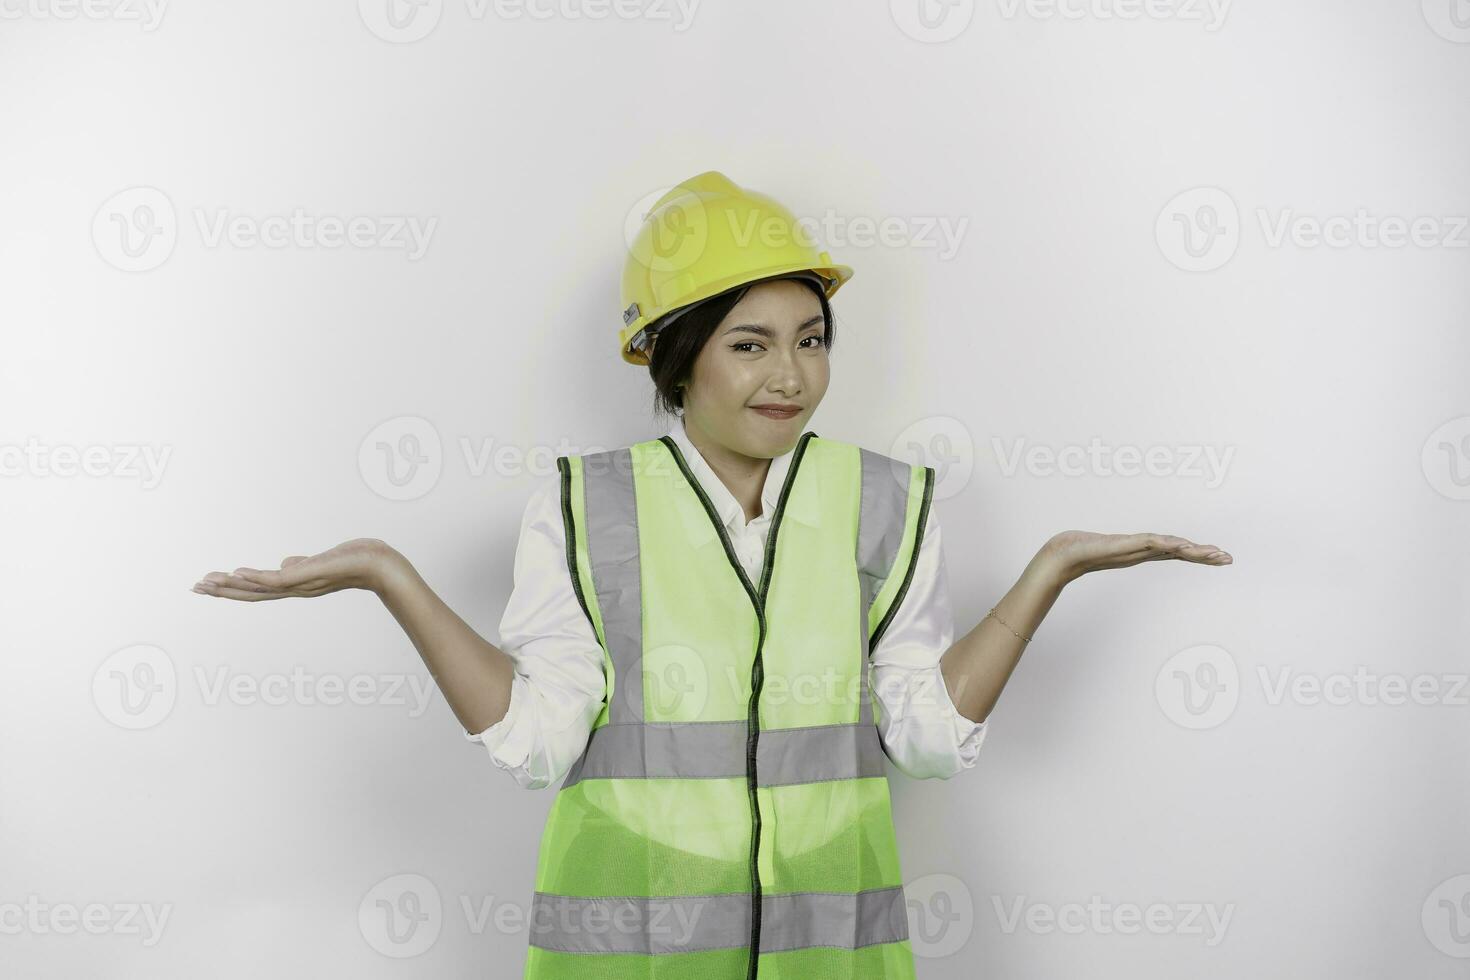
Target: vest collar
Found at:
x=732, y=515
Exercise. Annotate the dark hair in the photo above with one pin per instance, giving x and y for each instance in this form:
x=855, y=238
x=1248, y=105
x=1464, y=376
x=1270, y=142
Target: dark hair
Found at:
x=672, y=361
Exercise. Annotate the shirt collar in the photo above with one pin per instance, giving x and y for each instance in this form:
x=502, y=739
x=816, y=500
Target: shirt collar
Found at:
x=732, y=515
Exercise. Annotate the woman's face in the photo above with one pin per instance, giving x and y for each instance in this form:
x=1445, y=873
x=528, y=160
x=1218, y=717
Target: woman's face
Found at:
x=768, y=351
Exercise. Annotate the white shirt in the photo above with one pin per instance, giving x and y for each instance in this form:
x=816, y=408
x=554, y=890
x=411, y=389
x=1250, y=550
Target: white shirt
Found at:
x=558, y=686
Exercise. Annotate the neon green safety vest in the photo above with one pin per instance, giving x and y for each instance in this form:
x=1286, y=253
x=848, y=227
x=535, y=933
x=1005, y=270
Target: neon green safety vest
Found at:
x=729, y=818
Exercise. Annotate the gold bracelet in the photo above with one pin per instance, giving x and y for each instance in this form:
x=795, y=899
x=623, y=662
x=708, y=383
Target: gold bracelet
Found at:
x=1002, y=622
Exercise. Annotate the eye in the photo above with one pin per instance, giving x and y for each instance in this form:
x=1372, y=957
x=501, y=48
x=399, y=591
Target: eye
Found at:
x=743, y=346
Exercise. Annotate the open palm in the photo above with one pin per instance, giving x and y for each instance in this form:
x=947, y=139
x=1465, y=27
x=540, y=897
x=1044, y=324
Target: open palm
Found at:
x=350, y=565
x=1080, y=552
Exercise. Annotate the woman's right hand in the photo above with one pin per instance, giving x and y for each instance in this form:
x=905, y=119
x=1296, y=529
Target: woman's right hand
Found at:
x=361, y=563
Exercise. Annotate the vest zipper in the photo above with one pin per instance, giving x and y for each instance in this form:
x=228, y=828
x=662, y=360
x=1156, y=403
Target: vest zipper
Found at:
x=757, y=670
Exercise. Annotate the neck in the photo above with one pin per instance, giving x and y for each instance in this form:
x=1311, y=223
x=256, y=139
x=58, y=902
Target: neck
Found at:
x=744, y=476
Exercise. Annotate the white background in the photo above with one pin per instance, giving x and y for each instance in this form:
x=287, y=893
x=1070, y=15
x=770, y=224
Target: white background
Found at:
x=1060, y=139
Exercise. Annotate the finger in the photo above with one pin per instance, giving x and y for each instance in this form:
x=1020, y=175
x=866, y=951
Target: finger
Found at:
x=1134, y=548
x=1186, y=550
x=225, y=592
x=1189, y=551
x=298, y=573
x=292, y=559
x=286, y=582
x=1208, y=554
x=1148, y=546
x=236, y=580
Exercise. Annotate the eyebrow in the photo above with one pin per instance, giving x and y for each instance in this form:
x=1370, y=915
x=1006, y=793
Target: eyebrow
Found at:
x=764, y=331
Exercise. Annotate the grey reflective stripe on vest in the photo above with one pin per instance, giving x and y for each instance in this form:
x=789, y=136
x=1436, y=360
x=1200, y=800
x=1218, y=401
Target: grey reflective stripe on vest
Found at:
x=882, y=511
x=612, y=549
x=802, y=919
x=691, y=923
x=880, y=525
x=716, y=750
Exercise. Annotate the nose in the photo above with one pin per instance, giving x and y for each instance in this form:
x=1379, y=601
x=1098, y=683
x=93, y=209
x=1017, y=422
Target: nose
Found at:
x=787, y=384
x=785, y=376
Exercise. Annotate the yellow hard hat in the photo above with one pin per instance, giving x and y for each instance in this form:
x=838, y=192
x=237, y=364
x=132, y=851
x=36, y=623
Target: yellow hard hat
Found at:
x=703, y=237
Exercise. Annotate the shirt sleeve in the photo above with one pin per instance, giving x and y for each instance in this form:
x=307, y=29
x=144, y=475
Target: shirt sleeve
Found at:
x=922, y=732
x=559, y=685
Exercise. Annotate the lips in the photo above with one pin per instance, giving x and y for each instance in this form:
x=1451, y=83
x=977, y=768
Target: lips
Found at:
x=776, y=413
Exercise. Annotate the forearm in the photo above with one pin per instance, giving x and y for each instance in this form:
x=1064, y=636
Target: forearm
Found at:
x=977, y=666
x=474, y=674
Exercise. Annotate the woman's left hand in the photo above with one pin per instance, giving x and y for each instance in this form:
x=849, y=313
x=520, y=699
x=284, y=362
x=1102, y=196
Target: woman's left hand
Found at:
x=1071, y=554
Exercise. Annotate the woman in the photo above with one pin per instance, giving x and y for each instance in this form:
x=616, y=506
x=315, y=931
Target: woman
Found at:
x=721, y=596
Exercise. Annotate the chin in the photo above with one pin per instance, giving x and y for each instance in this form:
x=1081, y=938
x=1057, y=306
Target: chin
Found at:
x=773, y=444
